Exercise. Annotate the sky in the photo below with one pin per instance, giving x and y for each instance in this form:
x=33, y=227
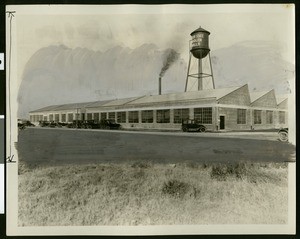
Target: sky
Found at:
x=100, y=28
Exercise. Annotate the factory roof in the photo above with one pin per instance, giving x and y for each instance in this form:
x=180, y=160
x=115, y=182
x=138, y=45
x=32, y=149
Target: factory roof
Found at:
x=281, y=98
x=63, y=107
x=254, y=96
x=120, y=101
x=184, y=96
x=148, y=99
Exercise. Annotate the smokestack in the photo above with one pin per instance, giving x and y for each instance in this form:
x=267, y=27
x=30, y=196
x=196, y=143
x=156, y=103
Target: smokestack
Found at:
x=159, y=85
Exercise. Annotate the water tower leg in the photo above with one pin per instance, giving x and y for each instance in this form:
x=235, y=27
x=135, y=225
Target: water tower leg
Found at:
x=211, y=69
x=188, y=71
x=200, y=83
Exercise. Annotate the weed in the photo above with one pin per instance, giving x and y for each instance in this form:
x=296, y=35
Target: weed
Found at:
x=141, y=165
x=193, y=165
x=123, y=194
x=222, y=171
x=175, y=188
x=138, y=174
x=36, y=185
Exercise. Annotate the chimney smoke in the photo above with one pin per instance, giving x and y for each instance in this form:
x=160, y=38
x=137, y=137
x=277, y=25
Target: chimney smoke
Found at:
x=170, y=57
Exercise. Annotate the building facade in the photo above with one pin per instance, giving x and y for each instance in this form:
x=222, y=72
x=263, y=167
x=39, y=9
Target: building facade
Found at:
x=218, y=109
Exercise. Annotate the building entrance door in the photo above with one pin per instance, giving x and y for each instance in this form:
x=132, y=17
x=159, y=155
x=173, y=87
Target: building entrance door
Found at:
x=222, y=122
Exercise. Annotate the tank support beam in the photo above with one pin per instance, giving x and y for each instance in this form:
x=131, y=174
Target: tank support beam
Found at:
x=200, y=75
x=200, y=83
x=188, y=71
x=211, y=69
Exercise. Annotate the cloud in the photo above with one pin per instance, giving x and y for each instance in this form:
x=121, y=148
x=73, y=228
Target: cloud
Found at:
x=89, y=30
x=49, y=31
x=69, y=30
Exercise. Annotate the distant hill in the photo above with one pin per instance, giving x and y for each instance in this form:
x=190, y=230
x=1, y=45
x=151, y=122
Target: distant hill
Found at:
x=58, y=74
x=257, y=63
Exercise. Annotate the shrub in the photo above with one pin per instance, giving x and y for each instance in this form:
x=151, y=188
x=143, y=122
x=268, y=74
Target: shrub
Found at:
x=175, y=188
x=141, y=165
x=223, y=171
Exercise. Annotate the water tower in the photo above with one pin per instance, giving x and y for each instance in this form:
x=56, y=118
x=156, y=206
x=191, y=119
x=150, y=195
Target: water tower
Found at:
x=199, y=49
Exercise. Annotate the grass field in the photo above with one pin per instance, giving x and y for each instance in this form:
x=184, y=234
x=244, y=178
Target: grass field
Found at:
x=153, y=194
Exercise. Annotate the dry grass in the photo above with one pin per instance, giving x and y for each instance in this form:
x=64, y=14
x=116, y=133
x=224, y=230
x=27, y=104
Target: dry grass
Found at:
x=153, y=194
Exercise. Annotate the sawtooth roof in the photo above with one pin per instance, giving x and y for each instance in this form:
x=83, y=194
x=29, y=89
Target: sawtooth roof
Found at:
x=63, y=107
x=191, y=95
x=254, y=96
x=281, y=98
x=182, y=96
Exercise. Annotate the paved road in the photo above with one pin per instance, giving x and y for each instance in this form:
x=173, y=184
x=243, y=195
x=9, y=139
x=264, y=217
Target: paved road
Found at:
x=64, y=146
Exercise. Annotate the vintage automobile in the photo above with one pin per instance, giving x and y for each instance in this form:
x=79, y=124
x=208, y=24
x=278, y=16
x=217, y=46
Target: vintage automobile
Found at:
x=90, y=124
x=283, y=134
x=84, y=124
x=192, y=125
x=76, y=124
x=50, y=124
x=22, y=124
x=109, y=124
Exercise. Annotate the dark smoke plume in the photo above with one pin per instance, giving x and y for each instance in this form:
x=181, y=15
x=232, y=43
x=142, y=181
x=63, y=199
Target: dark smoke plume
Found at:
x=170, y=57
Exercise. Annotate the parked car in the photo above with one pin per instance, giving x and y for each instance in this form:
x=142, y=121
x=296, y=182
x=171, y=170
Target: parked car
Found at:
x=192, y=125
x=109, y=124
x=91, y=124
x=75, y=124
x=22, y=124
x=283, y=134
x=44, y=123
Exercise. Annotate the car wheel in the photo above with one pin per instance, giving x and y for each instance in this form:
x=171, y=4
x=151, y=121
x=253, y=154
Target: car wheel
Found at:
x=201, y=129
x=283, y=136
x=184, y=129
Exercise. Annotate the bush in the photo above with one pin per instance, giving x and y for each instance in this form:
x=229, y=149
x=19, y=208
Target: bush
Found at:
x=141, y=165
x=175, y=188
x=223, y=171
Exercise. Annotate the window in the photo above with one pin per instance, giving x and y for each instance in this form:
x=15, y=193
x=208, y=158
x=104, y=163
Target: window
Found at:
x=133, y=116
x=269, y=117
x=112, y=115
x=31, y=118
x=45, y=118
x=203, y=115
x=96, y=116
x=51, y=117
x=257, y=116
x=163, y=116
x=77, y=116
x=63, y=117
x=121, y=117
x=70, y=117
x=241, y=116
x=147, y=116
x=103, y=116
x=281, y=117
x=56, y=117
x=89, y=116
x=180, y=115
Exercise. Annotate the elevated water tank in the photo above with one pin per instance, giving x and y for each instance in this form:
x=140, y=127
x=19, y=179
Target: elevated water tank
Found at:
x=199, y=43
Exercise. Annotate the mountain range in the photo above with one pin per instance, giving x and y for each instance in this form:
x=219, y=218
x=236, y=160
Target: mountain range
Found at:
x=60, y=75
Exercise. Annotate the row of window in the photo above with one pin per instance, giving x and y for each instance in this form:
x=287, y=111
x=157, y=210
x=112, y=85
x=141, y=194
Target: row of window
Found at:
x=257, y=115
x=202, y=115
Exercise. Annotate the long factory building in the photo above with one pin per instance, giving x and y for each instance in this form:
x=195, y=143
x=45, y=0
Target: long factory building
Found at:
x=218, y=109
